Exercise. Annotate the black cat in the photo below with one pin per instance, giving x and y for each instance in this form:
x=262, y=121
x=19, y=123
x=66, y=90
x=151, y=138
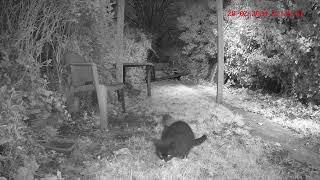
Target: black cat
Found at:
x=176, y=141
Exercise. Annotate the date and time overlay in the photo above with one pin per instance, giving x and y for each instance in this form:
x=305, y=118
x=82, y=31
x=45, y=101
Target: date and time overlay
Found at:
x=265, y=13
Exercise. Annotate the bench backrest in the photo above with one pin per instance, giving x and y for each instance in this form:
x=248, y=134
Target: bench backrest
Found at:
x=161, y=66
x=80, y=75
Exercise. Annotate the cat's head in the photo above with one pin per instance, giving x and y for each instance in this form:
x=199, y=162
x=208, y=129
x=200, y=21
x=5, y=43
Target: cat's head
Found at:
x=164, y=149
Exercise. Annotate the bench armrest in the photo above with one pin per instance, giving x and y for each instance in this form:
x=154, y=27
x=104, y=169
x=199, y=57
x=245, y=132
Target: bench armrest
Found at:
x=82, y=64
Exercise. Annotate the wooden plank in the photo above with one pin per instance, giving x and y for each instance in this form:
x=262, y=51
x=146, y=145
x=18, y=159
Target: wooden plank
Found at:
x=115, y=86
x=137, y=64
x=82, y=64
x=80, y=73
x=95, y=75
x=72, y=57
x=123, y=100
x=119, y=38
x=124, y=72
x=102, y=100
x=148, y=69
x=82, y=88
x=161, y=66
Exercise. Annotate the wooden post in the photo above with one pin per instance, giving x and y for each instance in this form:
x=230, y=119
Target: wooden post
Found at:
x=124, y=74
x=123, y=100
x=103, y=102
x=148, y=69
x=220, y=52
x=119, y=38
x=102, y=96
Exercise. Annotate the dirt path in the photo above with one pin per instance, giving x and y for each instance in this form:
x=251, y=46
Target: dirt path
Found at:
x=273, y=132
x=175, y=98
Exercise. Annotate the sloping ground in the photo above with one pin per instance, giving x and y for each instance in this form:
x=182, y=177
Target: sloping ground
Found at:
x=230, y=152
x=273, y=132
x=268, y=130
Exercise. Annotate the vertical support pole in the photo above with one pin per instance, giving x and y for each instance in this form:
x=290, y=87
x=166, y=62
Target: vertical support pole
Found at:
x=153, y=73
x=119, y=38
x=123, y=101
x=124, y=74
x=102, y=100
x=220, y=52
x=148, y=69
x=102, y=96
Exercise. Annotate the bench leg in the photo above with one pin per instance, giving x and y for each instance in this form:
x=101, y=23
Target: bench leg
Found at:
x=120, y=94
x=73, y=103
x=102, y=100
x=74, y=107
x=124, y=74
x=94, y=100
x=148, y=80
x=123, y=100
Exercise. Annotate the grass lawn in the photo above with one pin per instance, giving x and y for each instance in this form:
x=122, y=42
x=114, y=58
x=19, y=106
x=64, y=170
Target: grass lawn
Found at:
x=127, y=152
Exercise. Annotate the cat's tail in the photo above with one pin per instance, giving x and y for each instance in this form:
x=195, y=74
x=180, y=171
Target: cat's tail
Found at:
x=200, y=140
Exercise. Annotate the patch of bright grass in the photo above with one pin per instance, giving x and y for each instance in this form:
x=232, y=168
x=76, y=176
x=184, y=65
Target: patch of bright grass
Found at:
x=229, y=153
x=287, y=112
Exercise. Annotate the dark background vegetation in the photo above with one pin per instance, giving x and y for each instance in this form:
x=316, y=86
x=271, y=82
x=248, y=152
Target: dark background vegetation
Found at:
x=277, y=54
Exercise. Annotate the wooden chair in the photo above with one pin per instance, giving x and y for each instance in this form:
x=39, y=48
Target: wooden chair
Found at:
x=84, y=77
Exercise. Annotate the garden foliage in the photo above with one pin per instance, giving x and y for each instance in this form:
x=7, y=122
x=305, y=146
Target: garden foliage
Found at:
x=279, y=54
x=34, y=35
x=199, y=34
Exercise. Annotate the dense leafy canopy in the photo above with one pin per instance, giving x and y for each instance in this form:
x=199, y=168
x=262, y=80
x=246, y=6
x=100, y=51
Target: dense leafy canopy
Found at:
x=34, y=35
x=277, y=53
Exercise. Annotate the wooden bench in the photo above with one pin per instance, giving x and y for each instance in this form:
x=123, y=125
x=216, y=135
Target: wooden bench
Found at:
x=84, y=77
x=167, y=72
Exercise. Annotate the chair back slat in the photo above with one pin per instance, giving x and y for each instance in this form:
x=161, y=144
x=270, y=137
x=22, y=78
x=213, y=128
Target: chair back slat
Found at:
x=81, y=75
x=161, y=66
x=72, y=57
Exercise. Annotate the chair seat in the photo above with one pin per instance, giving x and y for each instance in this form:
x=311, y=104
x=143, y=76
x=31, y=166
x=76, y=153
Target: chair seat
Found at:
x=114, y=86
x=89, y=87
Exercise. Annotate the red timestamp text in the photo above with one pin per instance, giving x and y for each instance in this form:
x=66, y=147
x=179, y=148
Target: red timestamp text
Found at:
x=265, y=13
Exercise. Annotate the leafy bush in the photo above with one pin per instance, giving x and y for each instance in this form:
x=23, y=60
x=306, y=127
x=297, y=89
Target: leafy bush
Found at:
x=281, y=55
x=199, y=35
x=95, y=37
x=32, y=42
x=24, y=95
x=277, y=54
